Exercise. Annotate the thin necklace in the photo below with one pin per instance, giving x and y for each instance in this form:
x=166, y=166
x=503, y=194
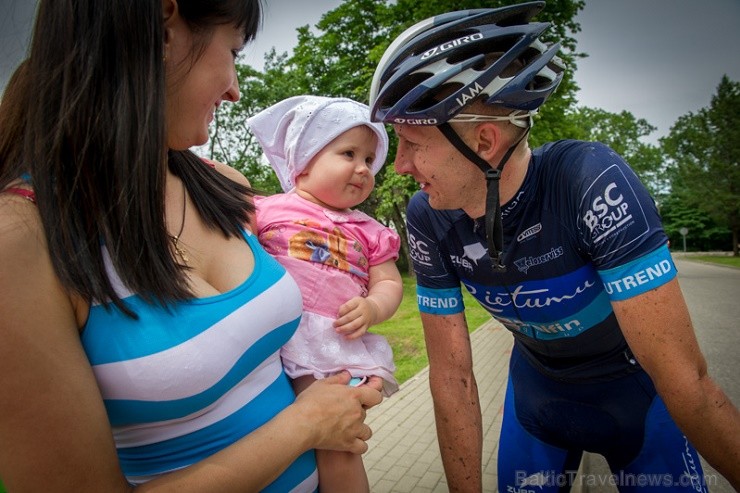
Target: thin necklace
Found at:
x=181, y=252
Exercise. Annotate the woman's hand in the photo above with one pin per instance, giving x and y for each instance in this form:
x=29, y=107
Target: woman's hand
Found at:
x=374, y=382
x=335, y=412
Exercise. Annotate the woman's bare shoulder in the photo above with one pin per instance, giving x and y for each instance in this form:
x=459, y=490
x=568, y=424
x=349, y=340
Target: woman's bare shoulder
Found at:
x=230, y=172
x=20, y=225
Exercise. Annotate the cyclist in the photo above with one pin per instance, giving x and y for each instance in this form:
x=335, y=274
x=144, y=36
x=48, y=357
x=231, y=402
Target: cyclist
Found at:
x=564, y=246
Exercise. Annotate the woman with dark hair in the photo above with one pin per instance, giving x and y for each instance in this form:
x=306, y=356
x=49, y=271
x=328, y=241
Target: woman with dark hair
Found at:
x=141, y=321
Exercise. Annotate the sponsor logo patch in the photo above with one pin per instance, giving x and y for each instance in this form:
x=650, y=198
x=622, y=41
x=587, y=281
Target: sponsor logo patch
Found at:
x=612, y=208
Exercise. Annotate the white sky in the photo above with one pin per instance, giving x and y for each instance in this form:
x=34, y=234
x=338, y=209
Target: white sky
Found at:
x=658, y=59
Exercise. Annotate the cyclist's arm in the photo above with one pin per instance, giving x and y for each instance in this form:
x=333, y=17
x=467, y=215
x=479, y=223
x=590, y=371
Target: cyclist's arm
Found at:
x=455, y=394
x=454, y=390
x=658, y=328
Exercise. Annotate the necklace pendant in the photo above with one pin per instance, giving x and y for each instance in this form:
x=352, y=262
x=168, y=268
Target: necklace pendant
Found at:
x=181, y=252
x=183, y=255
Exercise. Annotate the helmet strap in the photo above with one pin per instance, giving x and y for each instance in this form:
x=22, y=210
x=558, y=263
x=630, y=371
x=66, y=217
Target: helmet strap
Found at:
x=494, y=226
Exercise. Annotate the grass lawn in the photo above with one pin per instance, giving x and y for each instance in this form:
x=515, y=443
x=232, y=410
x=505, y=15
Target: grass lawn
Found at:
x=406, y=337
x=715, y=259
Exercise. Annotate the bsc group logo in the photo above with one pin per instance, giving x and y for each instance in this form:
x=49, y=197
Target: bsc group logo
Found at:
x=612, y=207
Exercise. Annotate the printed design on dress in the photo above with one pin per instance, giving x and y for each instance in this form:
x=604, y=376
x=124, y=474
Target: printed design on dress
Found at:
x=324, y=246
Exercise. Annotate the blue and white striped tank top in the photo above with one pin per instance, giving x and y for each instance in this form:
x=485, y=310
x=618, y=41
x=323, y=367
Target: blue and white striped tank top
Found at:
x=183, y=382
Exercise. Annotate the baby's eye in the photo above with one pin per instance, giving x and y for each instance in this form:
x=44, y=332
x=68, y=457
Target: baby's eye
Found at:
x=369, y=160
x=349, y=154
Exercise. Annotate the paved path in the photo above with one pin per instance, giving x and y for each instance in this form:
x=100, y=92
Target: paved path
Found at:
x=404, y=455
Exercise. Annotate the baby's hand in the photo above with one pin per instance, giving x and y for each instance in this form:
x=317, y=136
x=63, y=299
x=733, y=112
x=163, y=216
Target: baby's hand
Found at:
x=355, y=317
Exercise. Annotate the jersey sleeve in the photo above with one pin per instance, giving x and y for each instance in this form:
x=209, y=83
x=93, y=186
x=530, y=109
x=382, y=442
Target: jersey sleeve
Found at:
x=437, y=286
x=619, y=225
x=639, y=276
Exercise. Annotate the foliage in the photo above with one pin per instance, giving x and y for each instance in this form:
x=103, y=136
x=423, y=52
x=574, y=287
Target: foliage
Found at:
x=695, y=168
x=703, y=233
x=346, y=35
x=231, y=142
x=704, y=149
x=338, y=58
x=623, y=132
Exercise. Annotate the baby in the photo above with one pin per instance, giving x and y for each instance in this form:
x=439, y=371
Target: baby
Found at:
x=326, y=152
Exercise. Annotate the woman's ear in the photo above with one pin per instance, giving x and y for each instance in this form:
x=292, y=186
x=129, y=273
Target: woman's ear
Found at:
x=169, y=7
x=169, y=12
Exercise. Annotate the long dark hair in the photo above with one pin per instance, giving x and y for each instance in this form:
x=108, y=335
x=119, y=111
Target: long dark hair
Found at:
x=88, y=114
x=12, y=122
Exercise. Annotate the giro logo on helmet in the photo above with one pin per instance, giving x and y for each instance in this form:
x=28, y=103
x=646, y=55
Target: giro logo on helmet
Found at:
x=451, y=44
x=416, y=121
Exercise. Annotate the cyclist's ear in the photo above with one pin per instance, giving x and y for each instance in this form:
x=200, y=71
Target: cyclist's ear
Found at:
x=489, y=139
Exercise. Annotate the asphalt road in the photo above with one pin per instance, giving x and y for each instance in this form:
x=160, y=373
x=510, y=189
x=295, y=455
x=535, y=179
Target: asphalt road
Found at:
x=712, y=294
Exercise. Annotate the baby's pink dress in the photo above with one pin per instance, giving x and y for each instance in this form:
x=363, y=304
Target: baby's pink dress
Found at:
x=329, y=254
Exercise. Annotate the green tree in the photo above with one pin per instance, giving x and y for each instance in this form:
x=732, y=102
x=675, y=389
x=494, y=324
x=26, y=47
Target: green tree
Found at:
x=345, y=35
x=623, y=132
x=704, y=148
x=338, y=58
x=703, y=233
x=230, y=139
x=357, y=34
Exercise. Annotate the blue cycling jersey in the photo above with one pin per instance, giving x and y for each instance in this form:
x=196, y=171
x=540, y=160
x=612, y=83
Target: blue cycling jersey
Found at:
x=581, y=232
